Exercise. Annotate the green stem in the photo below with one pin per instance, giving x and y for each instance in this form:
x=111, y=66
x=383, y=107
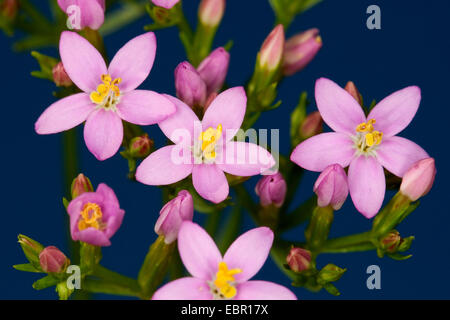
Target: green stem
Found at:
x=111, y=276
x=103, y=286
x=351, y=243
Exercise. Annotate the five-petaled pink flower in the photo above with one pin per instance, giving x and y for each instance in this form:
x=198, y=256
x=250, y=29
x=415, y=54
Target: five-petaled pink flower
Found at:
x=204, y=148
x=84, y=13
x=365, y=144
x=227, y=277
x=109, y=94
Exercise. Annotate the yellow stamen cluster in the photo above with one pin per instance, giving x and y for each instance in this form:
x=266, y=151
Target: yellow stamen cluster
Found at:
x=91, y=217
x=107, y=89
x=224, y=281
x=209, y=139
x=372, y=136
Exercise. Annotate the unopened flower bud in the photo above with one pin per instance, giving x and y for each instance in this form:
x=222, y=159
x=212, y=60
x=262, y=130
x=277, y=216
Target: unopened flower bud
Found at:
x=272, y=49
x=167, y=4
x=271, y=190
x=140, y=146
x=300, y=50
x=391, y=241
x=189, y=85
x=213, y=69
x=9, y=8
x=418, y=180
x=311, y=126
x=330, y=273
x=80, y=185
x=210, y=12
x=173, y=214
x=60, y=77
x=31, y=249
x=351, y=88
x=53, y=260
x=299, y=259
x=331, y=187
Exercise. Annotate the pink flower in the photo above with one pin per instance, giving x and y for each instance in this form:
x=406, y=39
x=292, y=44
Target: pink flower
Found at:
x=227, y=277
x=365, y=144
x=84, y=13
x=53, y=260
x=331, y=187
x=95, y=216
x=109, y=94
x=210, y=12
x=271, y=190
x=171, y=216
x=419, y=179
x=272, y=49
x=204, y=149
x=168, y=4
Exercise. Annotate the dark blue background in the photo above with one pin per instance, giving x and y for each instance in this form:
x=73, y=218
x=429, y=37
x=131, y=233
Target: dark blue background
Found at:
x=411, y=49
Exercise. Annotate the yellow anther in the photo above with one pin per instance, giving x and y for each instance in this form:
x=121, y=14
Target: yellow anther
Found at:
x=209, y=138
x=224, y=281
x=91, y=216
x=373, y=138
x=366, y=127
x=104, y=89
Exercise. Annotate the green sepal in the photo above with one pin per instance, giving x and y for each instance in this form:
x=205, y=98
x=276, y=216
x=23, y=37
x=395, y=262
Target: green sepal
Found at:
x=46, y=64
x=27, y=267
x=46, y=282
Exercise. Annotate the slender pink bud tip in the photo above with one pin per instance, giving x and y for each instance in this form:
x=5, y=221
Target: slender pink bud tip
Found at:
x=351, y=88
x=210, y=12
x=60, y=77
x=190, y=87
x=272, y=49
x=419, y=179
x=271, y=190
x=140, y=146
x=312, y=125
x=299, y=259
x=80, y=185
x=53, y=260
x=331, y=187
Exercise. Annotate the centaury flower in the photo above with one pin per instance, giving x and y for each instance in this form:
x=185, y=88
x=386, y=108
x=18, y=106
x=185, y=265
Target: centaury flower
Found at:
x=95, y=216
x=365, y=144
x=223, y=278
x=109, y=94
x=204, y=149
x=84, y=13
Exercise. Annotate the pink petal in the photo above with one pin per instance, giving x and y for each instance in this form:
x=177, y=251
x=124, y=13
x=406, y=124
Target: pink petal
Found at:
x=168, y=4
x=144, y=107
x=338, y=108
x=228, y=110
x=367, y=185
x=398, y=154
x=244, y=159
x=249, y=252
x=210, y=182
x=165, y=166
x=103, y=133
x=322, y=150
x=91, y=14
x=179, y=127
x=64, y=114
x=263, y=290
x=82, y=62
x=92, y=236
x=133, y=62
x=395, y=112
x=184, y=289
x=198, y=251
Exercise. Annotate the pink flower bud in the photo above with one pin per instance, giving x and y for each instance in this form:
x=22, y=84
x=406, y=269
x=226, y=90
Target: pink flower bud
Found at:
x=189, y=85
x=391, y=241
x=213, y=69
x=173, y=214
x=168, y=4
x=9, y=8
x=271, y=190
x=80, y=185
x=271, y=52
x=53, y=260
x=60, y=76
x=331, y=187
x=351, y=88
x=300, y=50
x=210, y=12
x=140, y=146
x=312, y=125
x=418, y=180
x=299, y=259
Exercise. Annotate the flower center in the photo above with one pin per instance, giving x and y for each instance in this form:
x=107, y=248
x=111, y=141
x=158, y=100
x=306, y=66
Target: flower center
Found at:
x=223, y=286
x=208, y=139
x=107, y=95
x=91, y=217
x=367, y=138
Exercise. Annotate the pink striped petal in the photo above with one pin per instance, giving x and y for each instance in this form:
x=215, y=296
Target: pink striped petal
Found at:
x=64, y=114
x=165, y=166
x=198, y=251
x=338, y=108
x=82, y=62
x=184, y=289
x=263, y=290
x=244, y=159
x=228, y=110
x=210, y=182
x=367, y=185
x=395, y=112
x=249, y=252
x=144, y=107
x=103, y=133
x=398, y=154
x=133, y=62
x=322, y=150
